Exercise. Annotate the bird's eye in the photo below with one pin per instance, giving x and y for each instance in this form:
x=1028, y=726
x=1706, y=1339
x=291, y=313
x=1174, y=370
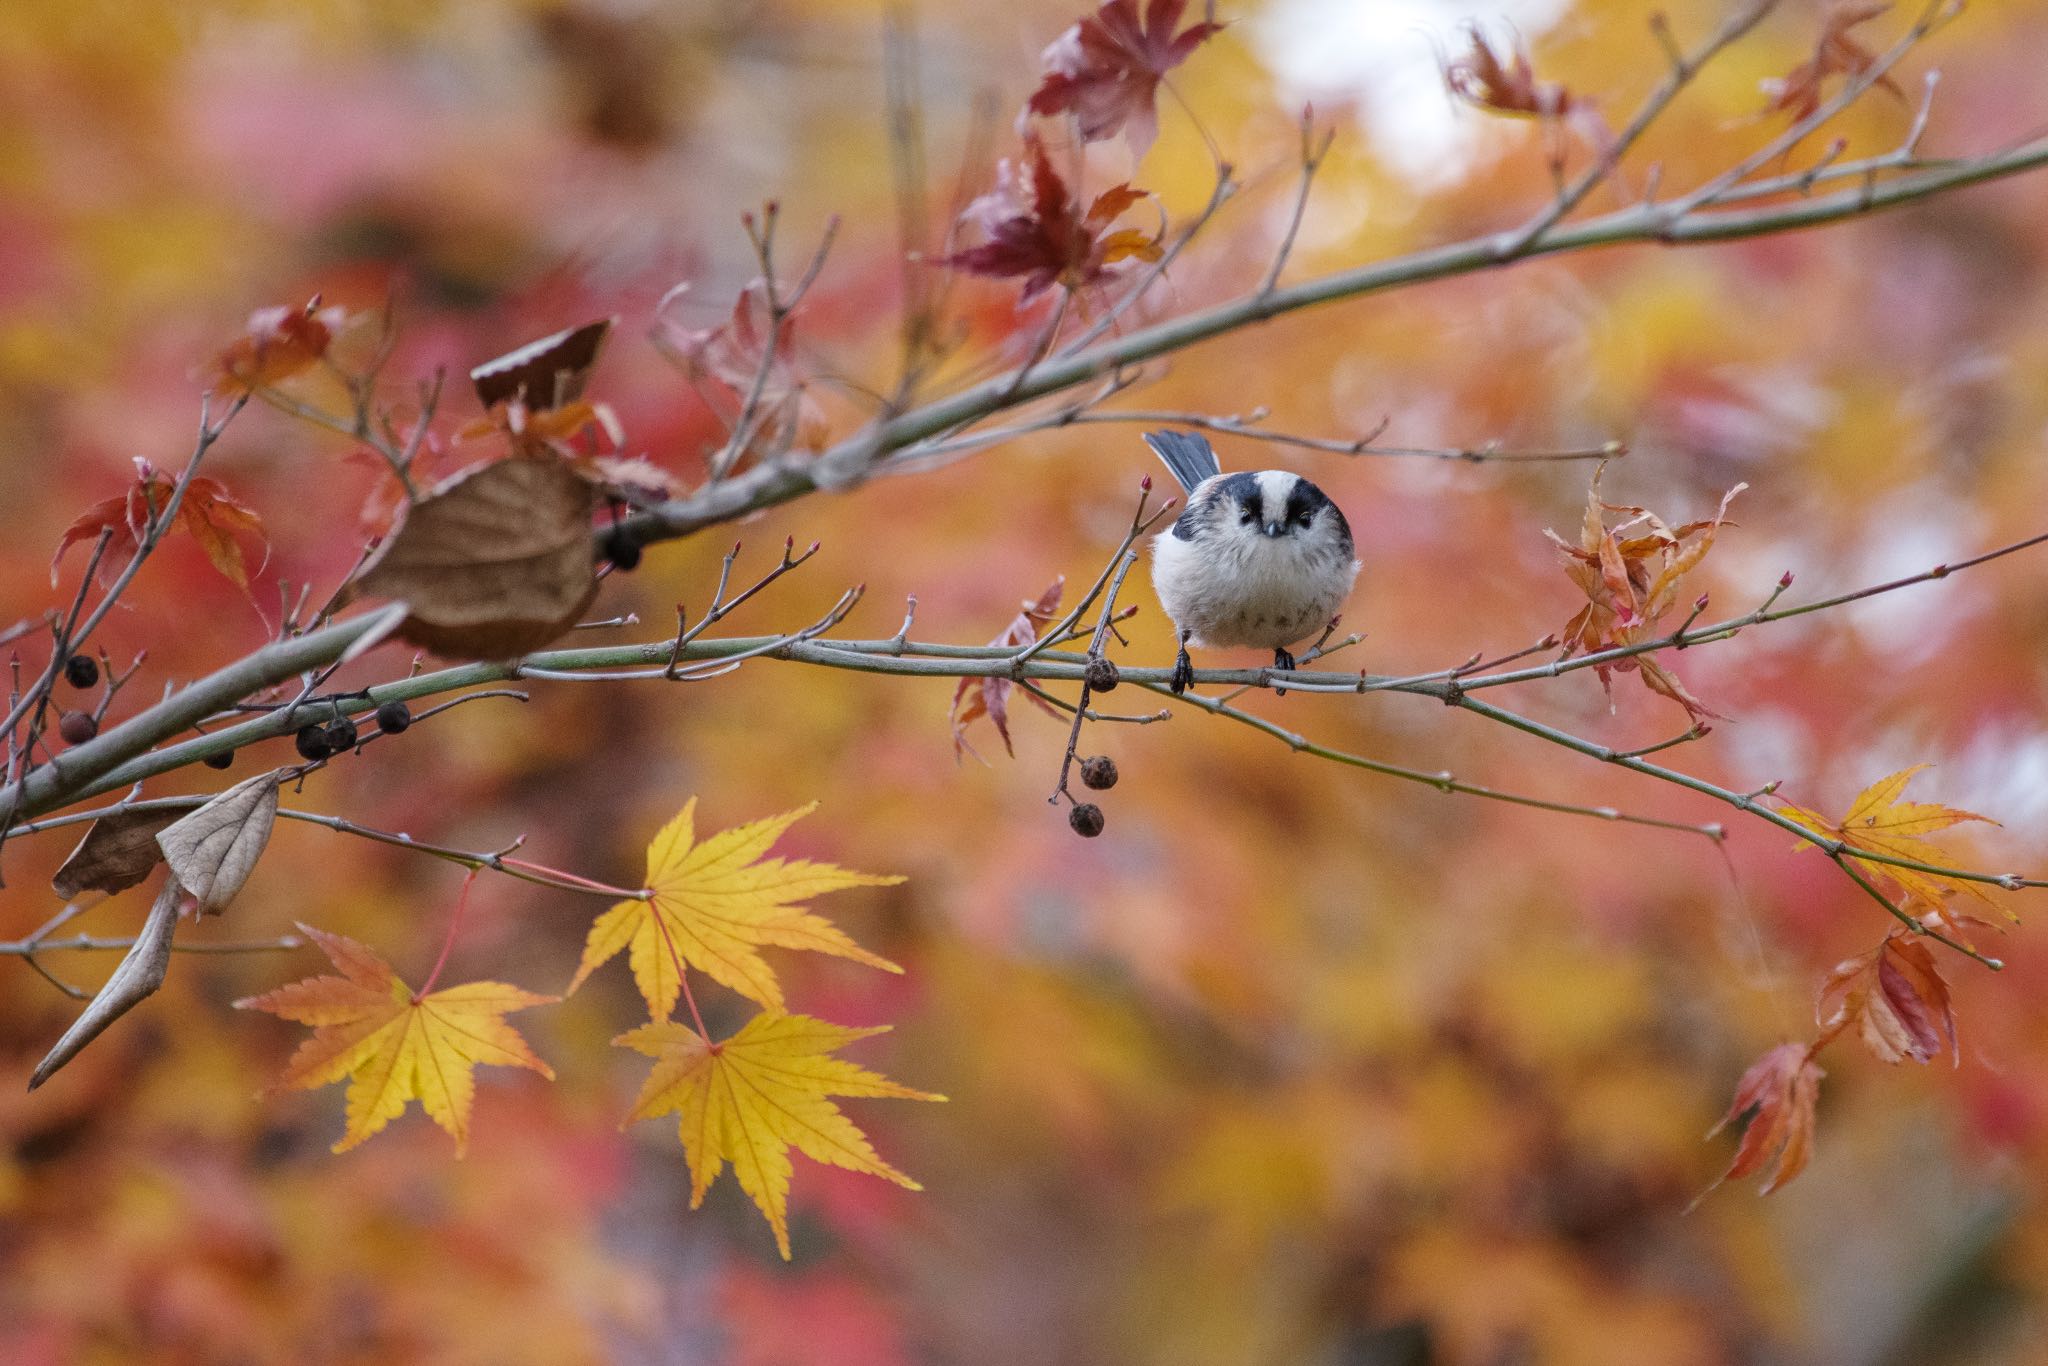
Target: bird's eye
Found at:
x=1304, y=518
x=1249, y=516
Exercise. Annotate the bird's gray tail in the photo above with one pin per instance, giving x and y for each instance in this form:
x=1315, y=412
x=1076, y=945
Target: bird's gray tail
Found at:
x=1191, y=458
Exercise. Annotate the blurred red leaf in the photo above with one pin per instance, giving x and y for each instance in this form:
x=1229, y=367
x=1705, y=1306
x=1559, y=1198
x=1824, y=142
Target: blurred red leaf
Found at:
x=1034, y=228
x=1835, y=53
x=990, y=697
x=279, y=343
x=1896, y=999
x=1505, y=81
x=1778, y=1093
x=1106, y=69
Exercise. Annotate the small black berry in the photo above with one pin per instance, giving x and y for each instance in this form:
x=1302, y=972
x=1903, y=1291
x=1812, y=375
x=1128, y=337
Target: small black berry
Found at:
x=224, y=759
x=1102, y=675
x=77, y=727
x=341, y=734
x=1086, y=818
x=81, y=671
x=312, y=743
x=393, y=717
x=622, y=550
x=1099, y=772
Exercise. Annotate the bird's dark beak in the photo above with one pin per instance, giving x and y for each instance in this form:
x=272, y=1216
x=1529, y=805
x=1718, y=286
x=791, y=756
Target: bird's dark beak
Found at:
x=1276, y=528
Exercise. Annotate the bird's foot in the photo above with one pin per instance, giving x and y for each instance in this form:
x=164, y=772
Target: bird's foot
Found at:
x=1183, y=673
x=1282, y=660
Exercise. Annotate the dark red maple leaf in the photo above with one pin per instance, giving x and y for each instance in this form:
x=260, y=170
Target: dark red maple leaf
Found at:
x=1106, y=69
x=1033, y=228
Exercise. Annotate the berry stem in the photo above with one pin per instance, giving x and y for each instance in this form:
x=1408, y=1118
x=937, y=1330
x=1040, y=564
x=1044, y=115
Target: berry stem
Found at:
x=448, y=943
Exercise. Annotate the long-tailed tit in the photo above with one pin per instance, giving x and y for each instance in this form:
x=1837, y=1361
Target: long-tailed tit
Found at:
x=1259, y=559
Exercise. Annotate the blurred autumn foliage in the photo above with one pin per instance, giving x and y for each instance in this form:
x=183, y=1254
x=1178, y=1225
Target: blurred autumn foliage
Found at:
x=1294, y=1062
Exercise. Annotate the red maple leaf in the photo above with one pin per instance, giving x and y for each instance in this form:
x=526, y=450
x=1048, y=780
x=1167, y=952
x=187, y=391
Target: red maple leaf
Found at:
x=208, y=512
x=990, y=696
x=1106, y=69
x=1034, y=228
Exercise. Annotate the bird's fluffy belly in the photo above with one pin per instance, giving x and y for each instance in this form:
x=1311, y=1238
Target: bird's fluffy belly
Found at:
x=1268, y=592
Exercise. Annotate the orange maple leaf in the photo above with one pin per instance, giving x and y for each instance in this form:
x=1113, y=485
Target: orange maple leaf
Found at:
x=394, y=1044
x=1631, y=581
x=1781, y=1089
x=1878, y=822
x=711, y=906
x=1895, y=997
x=749, y=1099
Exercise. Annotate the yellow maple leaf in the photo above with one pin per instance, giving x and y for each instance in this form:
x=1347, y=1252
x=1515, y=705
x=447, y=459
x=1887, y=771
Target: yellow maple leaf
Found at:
x=752, y=1097
x=711, y=906
x=1878, y=822
x=394, y=1044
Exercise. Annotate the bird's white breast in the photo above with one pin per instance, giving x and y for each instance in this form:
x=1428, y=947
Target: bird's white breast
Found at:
x=1253, y=590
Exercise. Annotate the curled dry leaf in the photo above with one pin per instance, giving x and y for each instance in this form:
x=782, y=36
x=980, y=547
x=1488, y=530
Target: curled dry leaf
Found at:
x=208, y=513
x=1778, y=1093
x=1034, y=229
x=1631, y=575
x=1835, y=53
x=749, y=1099
x=494, y=563
x=117, y=852
x=213, y=850
x=141, y=972
x=990, y=696
x=1895, y=998
x=1106, y=69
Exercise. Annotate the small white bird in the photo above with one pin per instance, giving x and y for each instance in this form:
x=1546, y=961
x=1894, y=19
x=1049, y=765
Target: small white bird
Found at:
x=1256, y=559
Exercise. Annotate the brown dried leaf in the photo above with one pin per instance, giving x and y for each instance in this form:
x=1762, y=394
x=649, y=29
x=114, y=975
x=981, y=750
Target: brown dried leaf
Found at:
x=494, y=563
x=213, y=850
x=116, y=853
x=549, y=373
